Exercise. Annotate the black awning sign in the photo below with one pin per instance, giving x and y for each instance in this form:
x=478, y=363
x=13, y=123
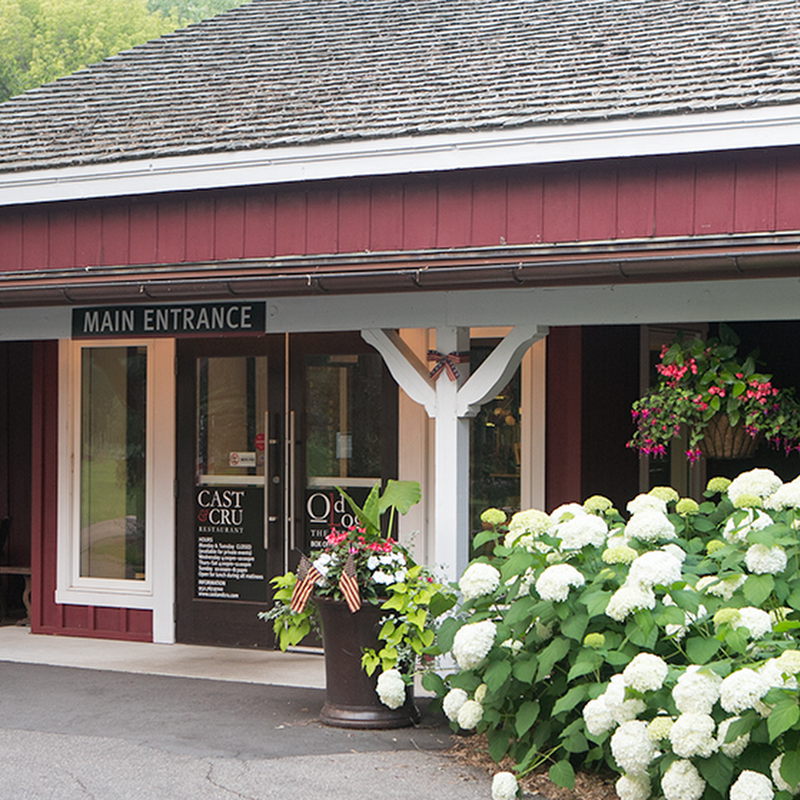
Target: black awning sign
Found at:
x=196, y=319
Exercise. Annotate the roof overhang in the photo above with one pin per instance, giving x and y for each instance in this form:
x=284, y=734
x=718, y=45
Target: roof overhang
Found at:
x=765, y=126
x=615, y=263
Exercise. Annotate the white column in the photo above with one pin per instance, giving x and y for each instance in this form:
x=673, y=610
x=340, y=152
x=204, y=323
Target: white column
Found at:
x=451, y=469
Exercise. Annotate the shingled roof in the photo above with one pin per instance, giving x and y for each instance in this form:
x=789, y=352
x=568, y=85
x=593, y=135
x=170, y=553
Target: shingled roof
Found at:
x=286, y=72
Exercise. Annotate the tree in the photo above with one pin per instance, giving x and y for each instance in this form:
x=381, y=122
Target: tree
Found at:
x=41, y=40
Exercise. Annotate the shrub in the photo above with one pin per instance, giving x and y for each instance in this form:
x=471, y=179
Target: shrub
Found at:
x=659, y=644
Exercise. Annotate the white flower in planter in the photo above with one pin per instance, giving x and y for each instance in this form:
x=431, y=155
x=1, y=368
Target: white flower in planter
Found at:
x=479, y=579
x=469, y=715
x=391, y=688
x=472, y=642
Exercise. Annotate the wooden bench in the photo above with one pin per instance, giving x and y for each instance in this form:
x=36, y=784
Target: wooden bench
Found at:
x=26, y=592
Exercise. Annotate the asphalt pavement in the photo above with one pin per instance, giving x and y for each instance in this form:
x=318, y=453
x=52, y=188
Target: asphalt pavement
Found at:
x=75, y=733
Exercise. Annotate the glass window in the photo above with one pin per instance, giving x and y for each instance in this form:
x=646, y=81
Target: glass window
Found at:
x=112, y=462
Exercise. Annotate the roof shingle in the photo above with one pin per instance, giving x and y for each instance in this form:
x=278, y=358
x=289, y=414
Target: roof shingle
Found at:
x=284, y=72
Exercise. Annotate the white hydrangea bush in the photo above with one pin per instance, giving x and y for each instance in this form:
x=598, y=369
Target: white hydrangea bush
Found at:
x=660, y=641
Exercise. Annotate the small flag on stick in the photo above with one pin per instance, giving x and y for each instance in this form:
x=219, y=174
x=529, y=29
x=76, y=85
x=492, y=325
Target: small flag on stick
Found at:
x=349, y=586
x=307, y=576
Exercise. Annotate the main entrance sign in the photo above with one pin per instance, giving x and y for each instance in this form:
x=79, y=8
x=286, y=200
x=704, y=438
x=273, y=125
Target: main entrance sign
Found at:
x=195, y=319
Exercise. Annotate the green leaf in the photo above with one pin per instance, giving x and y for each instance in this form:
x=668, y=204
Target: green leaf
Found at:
x=596, y=601
x=783, y=716
x=685, y=599
x=498, y=743
x=574, y=626
x=574, y=696
x=434, y=683
x=586, y=662
x=525, y=670
x=551, y=654
x=757, y=588
x=790, y=767
x=717, y=770
x=701, y=650
x=516, y=564
x=562, y=774
x=527, y=714
x=400, y=495
x=482, y=537
x=446, y=634
x=496, y=675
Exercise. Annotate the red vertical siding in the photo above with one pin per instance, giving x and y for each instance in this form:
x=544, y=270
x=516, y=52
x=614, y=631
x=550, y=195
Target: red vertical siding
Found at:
x=674, y=204
x=636, y=201
x=356, y=220
x=490, y=210
x=635, y=198
x=596, y=215
x=755, y=195
x=561, y=195
x=713, y=200
x=454, y=223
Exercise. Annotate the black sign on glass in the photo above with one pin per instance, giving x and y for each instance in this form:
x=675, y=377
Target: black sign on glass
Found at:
x=231, y=561
x=196, y=319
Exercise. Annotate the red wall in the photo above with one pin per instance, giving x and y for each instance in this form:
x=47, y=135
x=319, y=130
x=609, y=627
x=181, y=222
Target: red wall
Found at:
x=46, y=615
x=632, y=198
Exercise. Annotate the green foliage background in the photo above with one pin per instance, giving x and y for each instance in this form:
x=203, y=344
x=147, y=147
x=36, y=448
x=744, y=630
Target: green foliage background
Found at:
x=41, y=40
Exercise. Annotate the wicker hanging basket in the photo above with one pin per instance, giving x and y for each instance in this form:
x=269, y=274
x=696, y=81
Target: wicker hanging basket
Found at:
x=720, y=440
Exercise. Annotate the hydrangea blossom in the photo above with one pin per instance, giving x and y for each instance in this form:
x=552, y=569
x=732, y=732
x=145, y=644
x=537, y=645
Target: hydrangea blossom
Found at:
x=582, y=531
x=452, y=703
x=789, y=661
x=479, y=579
x=675, y=552
x=633, y=787
x=597, y=503
x=736, y=532
x=655, y=568
x=554, y=583
x=472, y=642
x=752, y=786
x=646, y=502
x=649, y=526
x=759, y=482
x=741, y=690
x=469, y=715
x=787, y=496
x=693, y=735
x=621, y=709
x=645, y=673
x=756, y=621
x=682, y=781
x=391, y=688
x=659, y=727
x=665, y=493
x=597, y=717
x=630, y=598
x=504, y=786
x=724, y=588
x=566, y=512
x=632, y=749
x=738, y=745
x=493, y=516
x=619, y=554
x=530, y=521
x=763, y=560
x=718, y=485
x=696, y=690
x=686, y=507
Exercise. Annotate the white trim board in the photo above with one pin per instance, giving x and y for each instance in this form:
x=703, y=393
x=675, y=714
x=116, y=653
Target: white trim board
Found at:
x=630, y=304
x=770, y=126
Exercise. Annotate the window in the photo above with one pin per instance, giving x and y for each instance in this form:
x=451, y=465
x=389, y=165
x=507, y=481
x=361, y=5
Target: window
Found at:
x=116, y=476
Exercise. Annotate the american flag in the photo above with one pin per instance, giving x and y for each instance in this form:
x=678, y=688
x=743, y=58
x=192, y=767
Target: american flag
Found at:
x=349, y=586
x=307, y=576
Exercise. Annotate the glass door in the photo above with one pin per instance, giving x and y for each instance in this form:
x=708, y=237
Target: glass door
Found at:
x=230, y=430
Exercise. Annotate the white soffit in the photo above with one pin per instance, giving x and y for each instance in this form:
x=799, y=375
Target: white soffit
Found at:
x=771, y=126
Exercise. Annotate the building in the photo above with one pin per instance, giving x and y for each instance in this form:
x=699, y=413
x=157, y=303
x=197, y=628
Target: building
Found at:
x=222, y=251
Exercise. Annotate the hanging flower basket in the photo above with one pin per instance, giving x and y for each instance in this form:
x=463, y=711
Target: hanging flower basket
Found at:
x=720, y=440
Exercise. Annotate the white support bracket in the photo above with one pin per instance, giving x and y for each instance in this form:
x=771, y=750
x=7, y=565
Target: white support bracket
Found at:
x=496, y=371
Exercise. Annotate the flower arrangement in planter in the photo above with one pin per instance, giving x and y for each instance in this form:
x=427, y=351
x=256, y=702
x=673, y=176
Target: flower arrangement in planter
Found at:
x=723, y=404
x=370, y=589
x=660, y=642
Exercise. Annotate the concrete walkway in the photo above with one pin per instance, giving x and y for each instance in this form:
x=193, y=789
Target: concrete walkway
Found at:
x=83, y=718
